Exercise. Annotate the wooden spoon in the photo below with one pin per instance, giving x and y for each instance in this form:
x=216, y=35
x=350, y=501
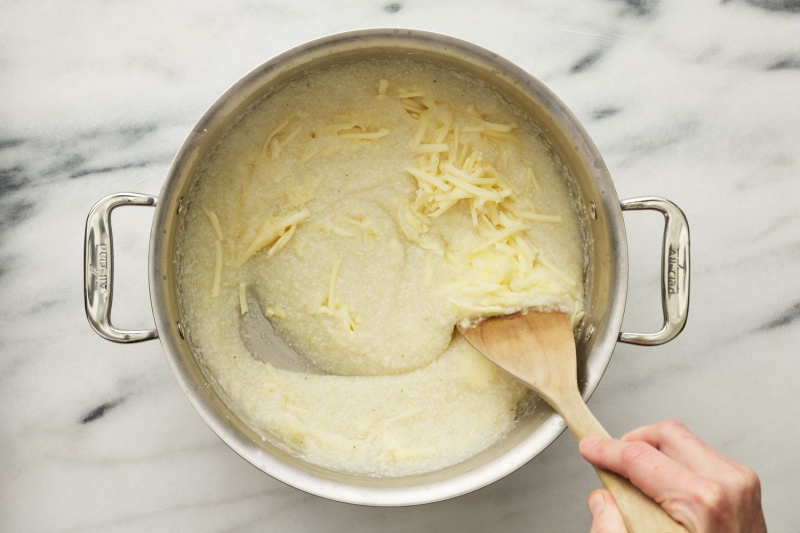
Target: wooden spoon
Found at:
x=538, y=348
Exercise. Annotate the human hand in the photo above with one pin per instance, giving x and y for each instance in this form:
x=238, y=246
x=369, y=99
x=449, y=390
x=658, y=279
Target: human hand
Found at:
x=696, y=485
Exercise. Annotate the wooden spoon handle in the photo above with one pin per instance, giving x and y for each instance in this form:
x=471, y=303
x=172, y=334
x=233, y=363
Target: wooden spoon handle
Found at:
x=641, y=514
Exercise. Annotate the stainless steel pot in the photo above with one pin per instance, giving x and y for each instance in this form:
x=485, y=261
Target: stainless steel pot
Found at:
x=606, y=277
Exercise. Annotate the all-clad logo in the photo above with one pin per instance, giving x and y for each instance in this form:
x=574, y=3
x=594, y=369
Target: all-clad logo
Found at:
x=102, y=263
x=672, y=271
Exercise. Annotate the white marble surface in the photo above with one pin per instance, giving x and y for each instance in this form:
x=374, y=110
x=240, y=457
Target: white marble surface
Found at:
x=697, y=101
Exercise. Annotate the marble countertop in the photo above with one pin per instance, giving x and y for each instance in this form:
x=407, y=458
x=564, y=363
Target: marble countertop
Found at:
x=698, y=102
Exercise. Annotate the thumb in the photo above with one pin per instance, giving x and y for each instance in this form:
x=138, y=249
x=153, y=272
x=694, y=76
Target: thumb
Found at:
x=606, y=517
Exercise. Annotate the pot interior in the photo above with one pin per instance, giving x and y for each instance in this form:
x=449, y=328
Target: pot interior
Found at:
x=605, y=273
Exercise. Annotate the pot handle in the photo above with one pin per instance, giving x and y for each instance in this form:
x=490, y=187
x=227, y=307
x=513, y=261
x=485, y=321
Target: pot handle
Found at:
x=674, y=271
x=98, y=268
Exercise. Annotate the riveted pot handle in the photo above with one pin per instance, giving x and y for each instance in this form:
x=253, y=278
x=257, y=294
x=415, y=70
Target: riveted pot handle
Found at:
x=674, y=271
x=98, y=268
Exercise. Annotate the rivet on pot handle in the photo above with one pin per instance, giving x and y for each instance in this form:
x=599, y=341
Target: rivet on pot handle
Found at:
x=674, y=271
x=98, y=268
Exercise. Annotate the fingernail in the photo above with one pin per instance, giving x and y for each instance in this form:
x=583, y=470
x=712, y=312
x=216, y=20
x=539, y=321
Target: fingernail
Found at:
x=596, y=502
x=589, y=442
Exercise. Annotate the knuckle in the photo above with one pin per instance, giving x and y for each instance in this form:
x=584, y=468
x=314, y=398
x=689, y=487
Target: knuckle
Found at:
x=711, y=498
x=748, y=482
x=671, y=426
x=636, y=452
x=602, y=448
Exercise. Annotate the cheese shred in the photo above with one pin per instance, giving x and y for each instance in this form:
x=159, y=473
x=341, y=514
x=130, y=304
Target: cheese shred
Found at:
x=214, y=221
x=569, y=281
x=272, y=230
x=330, y=301
x=243, y=298
x=217, y=269
x=496, y=207
x=383, y=132
x=382, y=86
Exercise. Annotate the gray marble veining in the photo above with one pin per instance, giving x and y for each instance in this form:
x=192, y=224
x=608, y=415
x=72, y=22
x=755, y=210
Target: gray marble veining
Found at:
x=698, y=102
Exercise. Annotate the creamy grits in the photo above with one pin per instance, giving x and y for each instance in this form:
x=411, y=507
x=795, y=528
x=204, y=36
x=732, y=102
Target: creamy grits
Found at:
x=369, y=208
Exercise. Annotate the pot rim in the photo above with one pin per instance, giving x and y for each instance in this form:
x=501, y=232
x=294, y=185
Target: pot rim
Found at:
x=527, y=449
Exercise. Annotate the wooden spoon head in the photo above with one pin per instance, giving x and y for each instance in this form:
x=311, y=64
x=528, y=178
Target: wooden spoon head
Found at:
x=536, y=347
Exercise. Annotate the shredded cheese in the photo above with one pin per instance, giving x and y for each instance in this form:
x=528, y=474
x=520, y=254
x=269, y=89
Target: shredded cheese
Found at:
x=297, y=411
x=217, y=269
x=243, y=298
x=365, y=228
x=305, y=158
x=510, y=136
x=474, y=112
x=501, y=236
x=531, y=177
x=283, y=170
x=412, y=106
x=431, y=148
x=430, y=104
x=413, y=453
x=330, y=301
x=476, y=191
x=273, y=133
x=270, y=312
x=424, y=122
x=500, y=128
x=271, y=230
x=298, y=195
x=290, y=137
x=214, y=221
x=569, y=281
x=497, y=211
x=331, y=306
x=383, y=132
x=343, y=126
x=526, y=248
x=281, y=242
x=428, y=178
x=336, y=230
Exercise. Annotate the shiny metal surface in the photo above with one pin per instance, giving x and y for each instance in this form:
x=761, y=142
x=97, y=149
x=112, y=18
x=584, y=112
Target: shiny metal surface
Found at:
x=606, y=272
x=265, y=345
x=98, y=268
x=674, y=271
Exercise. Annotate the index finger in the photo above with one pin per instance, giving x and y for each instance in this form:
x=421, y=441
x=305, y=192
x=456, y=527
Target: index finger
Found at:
x=668, y=483
x=675, y=440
